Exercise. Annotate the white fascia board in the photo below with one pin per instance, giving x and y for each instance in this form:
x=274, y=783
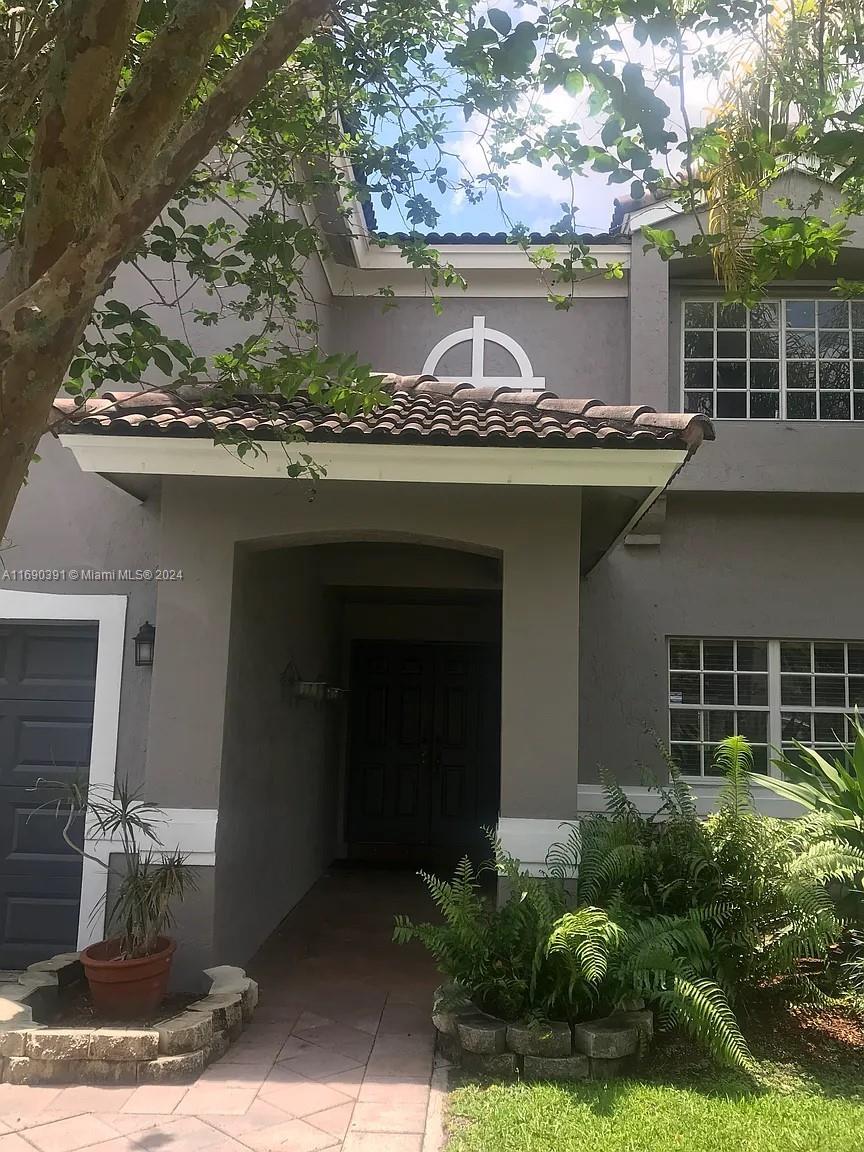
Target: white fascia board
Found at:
x=504, y=282
x=398, y=463
x=468, y=257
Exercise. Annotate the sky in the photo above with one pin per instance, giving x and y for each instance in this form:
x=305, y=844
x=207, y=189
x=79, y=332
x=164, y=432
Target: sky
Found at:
x=535, y=194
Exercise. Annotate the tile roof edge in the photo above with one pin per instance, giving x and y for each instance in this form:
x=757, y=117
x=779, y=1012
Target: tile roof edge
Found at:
x=692, y=428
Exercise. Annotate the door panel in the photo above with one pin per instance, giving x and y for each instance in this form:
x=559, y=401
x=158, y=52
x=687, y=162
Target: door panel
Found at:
x=389, y=731
x=465, y=749
x=424, y=774
x=47, y=685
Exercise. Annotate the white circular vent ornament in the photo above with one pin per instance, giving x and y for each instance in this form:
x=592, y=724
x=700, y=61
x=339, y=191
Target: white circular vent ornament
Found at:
x=478, y=336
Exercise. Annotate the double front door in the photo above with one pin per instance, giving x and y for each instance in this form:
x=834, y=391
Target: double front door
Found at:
x=423, y=768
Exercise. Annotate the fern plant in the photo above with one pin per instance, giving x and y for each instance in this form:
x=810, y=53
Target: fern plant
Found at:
x=541, y=955
x=765, y=887
x=689, y=915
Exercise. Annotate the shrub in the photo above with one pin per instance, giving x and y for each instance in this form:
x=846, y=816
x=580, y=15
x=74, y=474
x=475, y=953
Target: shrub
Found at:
x=688, y=915
x=539, y=955
x=149, y=881
x=761, y=884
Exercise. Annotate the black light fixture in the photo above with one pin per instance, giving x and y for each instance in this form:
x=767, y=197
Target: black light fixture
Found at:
x=145, y=642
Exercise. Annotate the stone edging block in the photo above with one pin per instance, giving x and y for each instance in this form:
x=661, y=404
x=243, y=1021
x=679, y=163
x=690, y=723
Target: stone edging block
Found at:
x=554, y=1039
x=482, y=1045
x=606, y=1039
x=482, y=1034
x=175, y=1050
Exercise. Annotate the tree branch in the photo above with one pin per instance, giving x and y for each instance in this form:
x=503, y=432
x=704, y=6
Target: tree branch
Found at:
x=24, y=68
x=81, y=270
x=65, y=172
x=209, y=123
x=151, y=106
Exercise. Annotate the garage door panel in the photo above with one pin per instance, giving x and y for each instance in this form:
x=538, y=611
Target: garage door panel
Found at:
x=47, y=740
x=47, y=661
x=36, y=922
x=47, y=687
x=31, y=836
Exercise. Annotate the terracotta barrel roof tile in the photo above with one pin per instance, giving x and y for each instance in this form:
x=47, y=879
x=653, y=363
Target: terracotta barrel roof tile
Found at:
x=419, y=409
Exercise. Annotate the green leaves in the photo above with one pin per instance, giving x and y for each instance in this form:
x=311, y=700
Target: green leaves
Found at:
x=500, y=21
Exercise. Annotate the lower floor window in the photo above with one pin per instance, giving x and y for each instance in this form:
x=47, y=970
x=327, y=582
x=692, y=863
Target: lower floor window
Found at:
x=773, y=692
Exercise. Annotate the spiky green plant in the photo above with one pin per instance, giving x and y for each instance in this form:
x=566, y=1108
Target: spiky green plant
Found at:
x=148, y=882
x=834, y=787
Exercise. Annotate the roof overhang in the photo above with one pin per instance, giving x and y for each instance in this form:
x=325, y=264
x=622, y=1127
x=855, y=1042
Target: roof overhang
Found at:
x=396, y=463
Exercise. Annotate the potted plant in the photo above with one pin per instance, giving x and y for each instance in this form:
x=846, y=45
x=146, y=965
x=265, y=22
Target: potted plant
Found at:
x=128, y=971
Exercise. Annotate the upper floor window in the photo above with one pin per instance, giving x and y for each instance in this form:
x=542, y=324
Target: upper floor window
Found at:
x=773, y=692
x=781, y=360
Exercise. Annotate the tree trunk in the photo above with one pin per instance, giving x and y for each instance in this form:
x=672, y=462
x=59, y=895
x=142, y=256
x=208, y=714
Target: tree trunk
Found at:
x=29, y=383
x=71, y=240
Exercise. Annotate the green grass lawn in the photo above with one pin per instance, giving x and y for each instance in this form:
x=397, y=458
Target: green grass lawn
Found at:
x=800, y=1102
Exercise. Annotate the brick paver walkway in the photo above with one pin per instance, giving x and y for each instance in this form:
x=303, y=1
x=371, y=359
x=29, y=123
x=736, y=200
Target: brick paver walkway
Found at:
x=338, y=1056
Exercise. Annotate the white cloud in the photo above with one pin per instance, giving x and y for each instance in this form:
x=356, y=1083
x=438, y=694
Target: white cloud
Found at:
x=534, y=194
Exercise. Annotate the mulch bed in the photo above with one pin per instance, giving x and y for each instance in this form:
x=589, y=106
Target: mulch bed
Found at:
x=77, y=1011
x=824, y=1045
x=805, y=1033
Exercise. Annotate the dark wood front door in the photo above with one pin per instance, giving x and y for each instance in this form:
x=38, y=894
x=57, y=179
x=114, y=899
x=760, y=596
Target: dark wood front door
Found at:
x=423, y=775
x=47, y=686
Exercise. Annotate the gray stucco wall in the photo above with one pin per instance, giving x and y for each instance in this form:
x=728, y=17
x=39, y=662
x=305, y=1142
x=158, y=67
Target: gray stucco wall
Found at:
x=64, y=519
x=749, y=456
x=583, y=352
x=277, y=800
x=536, y=534
x=132, y=288
x=753, y=566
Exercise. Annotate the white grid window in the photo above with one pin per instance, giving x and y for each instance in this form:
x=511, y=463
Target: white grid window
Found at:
x=773, y=692
x=782, y=359
x=717, y=688
x=821, y=683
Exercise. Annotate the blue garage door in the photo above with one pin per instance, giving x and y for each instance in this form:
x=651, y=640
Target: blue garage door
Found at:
x=47, y=683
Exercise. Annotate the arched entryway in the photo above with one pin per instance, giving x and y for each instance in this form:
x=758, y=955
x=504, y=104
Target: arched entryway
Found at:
x=362, y=719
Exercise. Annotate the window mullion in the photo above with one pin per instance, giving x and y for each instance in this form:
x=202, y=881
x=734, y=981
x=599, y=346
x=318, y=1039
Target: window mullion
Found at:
x=781, y=352
x=775, y=719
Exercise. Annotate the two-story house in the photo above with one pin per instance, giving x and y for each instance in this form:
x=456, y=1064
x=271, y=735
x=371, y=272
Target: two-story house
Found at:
x=513, y=573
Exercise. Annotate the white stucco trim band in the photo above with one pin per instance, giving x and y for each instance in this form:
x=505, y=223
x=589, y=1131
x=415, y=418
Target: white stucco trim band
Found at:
x=529, y=839
x=487, y=279
x=188, y=830
x=400, y=463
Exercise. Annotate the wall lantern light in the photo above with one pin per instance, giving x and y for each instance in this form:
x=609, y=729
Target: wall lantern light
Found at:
x=145, y=642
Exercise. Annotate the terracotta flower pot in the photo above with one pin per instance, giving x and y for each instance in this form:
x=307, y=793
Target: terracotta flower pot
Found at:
x=126, y=989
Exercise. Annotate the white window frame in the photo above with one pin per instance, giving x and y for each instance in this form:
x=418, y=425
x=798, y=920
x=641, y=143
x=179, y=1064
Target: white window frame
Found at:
x=773, y=681
x=780, y=301
x=775, y=708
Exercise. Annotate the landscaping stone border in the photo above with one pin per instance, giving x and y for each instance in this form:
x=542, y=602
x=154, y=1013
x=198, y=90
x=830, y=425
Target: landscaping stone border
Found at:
x=483, y=1045
x=174, y=1051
